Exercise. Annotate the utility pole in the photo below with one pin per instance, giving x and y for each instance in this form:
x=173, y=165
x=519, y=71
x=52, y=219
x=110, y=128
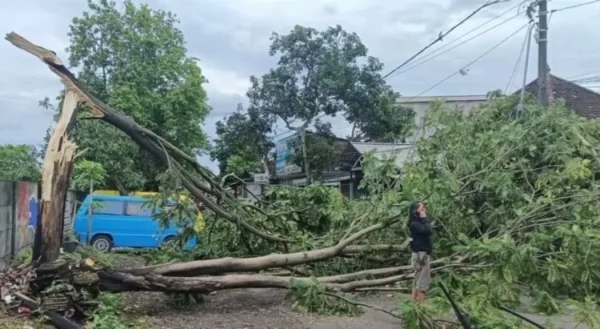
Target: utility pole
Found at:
x=542, y=95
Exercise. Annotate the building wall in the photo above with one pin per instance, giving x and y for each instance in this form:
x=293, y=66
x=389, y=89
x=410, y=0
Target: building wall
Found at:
x=19, y=207
x=7, y=203
x=422, y=107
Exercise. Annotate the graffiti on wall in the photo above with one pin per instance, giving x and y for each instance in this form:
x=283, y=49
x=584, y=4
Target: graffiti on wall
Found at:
x=27, y=213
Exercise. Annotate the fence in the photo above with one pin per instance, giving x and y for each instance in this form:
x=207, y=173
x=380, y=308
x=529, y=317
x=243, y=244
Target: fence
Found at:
x=18, y=217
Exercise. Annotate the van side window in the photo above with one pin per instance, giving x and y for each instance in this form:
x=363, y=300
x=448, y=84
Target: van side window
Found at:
x=137, y=209
x=109, y=208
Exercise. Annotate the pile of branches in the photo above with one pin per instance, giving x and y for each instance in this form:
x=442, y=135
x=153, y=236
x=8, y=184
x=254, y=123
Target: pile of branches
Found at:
x=515, y=202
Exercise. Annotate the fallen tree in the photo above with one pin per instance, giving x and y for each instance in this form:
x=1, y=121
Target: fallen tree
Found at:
x=518, y=197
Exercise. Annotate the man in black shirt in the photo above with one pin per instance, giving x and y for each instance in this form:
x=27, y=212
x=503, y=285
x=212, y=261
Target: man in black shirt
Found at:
x=421, y=246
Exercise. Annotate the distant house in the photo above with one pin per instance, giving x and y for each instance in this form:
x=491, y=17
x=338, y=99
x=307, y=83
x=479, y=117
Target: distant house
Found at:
x=579, y=99
x=422, y=106
x=354, y=154
x=287, y=173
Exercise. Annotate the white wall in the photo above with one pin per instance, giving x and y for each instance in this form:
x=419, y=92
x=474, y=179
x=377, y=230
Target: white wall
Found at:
x=422, y=107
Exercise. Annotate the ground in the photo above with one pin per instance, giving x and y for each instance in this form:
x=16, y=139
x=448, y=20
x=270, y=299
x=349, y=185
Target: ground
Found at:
x=266, y=309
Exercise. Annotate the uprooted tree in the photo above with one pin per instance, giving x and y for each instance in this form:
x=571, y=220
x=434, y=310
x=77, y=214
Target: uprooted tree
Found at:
x=516, y=203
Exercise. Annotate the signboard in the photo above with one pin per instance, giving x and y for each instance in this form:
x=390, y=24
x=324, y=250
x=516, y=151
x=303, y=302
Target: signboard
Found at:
x=281, y=161
x=261, y=178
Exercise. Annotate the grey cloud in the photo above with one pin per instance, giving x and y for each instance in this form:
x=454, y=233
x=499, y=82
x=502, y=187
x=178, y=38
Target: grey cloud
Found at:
x=223, y=104
x=330, y=9
x=227, y=39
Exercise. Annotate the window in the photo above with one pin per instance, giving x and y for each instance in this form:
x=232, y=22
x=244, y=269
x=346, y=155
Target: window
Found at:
x=137, y=209
x=108, y=207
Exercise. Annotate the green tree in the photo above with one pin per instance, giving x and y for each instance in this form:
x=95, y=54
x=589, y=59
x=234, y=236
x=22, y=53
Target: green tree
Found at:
x=318, y=74
x=242, y=142
x=321, y=149
x=89, y=174
x=19, y=163
x=382, y=119
x=135, y=60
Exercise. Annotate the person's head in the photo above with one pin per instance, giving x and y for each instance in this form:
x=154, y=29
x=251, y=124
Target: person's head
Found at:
x=417, y=210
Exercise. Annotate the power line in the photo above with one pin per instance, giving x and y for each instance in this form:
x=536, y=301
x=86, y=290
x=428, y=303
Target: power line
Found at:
x=414, y=143
x=574, y=6
x=583, y=74
x=432, y=55
x=520, y=107
x=516, y=67
x=461, y=70
x=587, y=80
x=472, y=62
x=425, y=60
x=442, y=35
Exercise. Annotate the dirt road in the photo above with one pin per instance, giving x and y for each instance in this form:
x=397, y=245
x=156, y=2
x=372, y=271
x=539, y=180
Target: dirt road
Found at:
x=266, y=309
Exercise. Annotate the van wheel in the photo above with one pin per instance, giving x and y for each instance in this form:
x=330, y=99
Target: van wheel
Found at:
x=169, y=241
x=102, y=243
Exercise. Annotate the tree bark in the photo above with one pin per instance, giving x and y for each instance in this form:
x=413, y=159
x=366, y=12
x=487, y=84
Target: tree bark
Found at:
x=229, y=264
x=119, y=281
x=305, y=157
x=56, y=177
x=90, y=212
x=375, y=248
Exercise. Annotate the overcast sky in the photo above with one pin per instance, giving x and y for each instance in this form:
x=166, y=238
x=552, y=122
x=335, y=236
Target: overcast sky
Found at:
x=231, y=38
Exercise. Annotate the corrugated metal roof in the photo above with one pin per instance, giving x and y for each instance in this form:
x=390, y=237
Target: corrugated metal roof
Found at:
x=384, y=151
x=363, y=148
x=427, y=99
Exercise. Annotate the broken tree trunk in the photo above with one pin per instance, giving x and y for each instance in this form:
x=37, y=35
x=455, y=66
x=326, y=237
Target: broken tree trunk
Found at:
x=117, y=281
x=227, y=265
x=56, y=177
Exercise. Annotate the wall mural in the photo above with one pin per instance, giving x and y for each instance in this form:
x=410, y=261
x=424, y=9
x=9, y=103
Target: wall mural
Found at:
x=27, y=213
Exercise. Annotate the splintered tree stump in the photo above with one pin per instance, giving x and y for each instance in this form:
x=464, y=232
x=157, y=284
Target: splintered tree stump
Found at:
x=56, y=177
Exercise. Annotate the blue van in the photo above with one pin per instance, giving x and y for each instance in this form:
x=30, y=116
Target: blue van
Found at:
x=122, y=222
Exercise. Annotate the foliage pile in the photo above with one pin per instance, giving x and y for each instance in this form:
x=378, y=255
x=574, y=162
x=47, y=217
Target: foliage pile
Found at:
x=516, y=196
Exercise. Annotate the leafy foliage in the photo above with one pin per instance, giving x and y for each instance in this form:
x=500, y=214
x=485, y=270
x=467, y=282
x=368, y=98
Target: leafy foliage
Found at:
x=242, y=144
x=110, y=314
x=88, y=173
x=419, y=316
x=316, y=209
x=319, y=74
x=516, y=195
x=382, y=119
x=19, y=163
x=173, y=206
x=321, y=147
x=311, y=297
x=135, y=60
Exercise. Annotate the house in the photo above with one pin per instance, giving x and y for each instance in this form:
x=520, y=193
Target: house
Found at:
x=352, y=161
x=422, y=106
x=581, y=100
x=287, y=173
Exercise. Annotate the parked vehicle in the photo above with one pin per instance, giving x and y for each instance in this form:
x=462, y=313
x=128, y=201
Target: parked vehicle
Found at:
x=121, y=222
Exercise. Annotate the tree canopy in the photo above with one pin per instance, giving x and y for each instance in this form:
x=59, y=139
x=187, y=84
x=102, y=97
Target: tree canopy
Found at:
x=135, y=59
x=242, y=144
x=19, y=163
x=327, y=73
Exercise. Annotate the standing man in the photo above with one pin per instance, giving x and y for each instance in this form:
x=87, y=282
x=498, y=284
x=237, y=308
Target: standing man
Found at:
x=421, y=246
